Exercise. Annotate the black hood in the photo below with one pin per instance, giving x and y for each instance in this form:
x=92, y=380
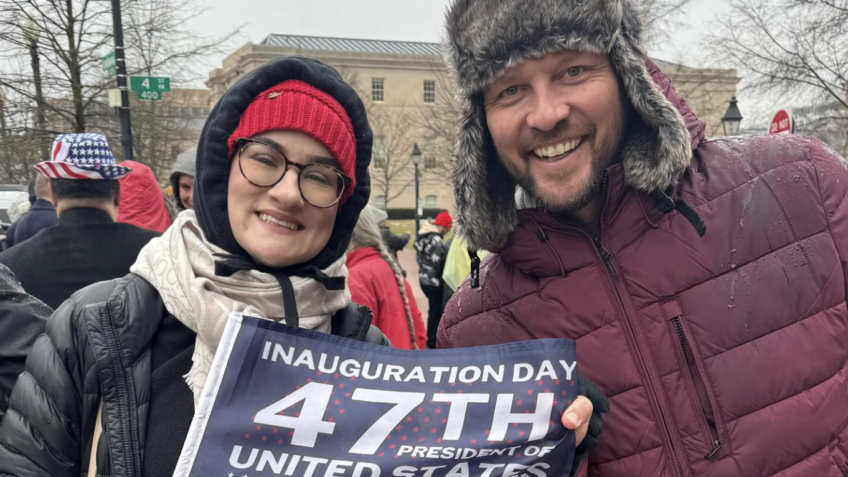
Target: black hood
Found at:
x=213, y=163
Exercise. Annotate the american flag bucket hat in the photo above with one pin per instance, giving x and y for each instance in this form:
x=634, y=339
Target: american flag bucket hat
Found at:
x=82, y=156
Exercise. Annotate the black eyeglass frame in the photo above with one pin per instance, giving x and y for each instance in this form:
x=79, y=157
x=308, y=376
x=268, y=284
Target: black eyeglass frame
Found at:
x=243, y=142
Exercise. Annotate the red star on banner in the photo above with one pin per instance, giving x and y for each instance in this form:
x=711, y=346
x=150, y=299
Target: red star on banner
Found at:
x=275, y=430
x=426, y=419
x=247, y=436
x=398, y=427
x=381, y=454
x=403, y=438
x=320, y=373
x=280, y=442
x=433, y=430
x=556, y=382
x=438, y=410
x=258, y=428
x=341, y=411
x=393, y=446
x=409, y=419
x=529, y=392
x=486, y=432
x=439, y=440
x=520, y=402
x=541, y=382
x=264, y=438
x=336, y=375
x=415, y=429
x=421, y=439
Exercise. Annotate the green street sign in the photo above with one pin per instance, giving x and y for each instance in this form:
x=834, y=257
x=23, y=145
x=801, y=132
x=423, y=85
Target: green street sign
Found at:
x=158, y=84
x=150, y=95
x=109, y=64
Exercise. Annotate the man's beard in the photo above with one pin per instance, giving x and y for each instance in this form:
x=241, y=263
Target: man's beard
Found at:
x=605, y=151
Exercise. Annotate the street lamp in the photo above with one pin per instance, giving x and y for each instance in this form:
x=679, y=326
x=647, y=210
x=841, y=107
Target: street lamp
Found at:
x=416, y=159
x=732, y=118
x=32, y=32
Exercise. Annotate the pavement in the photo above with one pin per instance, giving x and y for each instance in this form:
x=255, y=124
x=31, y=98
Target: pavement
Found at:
x=406, y=257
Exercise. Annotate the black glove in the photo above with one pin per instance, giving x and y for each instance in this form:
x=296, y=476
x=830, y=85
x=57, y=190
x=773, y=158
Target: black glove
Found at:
x=600, y=404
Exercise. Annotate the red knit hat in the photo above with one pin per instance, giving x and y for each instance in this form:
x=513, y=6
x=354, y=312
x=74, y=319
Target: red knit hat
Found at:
x=298, y=106
x=444, y=219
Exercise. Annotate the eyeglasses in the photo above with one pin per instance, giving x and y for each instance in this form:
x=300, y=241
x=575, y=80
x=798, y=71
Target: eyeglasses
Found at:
x=263, y=165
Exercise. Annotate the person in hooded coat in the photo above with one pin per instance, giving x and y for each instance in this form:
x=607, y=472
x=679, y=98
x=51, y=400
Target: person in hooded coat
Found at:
x=182, y=179
x=142, y=201
x=277, y=196
x=703, y=279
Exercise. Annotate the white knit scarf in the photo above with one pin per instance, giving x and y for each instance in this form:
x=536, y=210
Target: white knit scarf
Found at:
x=181, y=266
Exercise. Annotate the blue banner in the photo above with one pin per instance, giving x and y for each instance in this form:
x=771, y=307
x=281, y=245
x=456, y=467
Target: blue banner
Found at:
x=293, y=402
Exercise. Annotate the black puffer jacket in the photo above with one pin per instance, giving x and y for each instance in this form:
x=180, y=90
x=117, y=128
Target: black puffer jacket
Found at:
x=105, y=343
x=97, y=347
x=22, y=319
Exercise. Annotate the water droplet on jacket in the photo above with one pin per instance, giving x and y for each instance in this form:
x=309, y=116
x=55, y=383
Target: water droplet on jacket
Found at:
x=731, y=307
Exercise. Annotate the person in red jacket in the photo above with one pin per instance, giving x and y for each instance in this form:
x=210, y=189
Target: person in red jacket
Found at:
x=143, y=203
x=703, y=280
x=377, y=282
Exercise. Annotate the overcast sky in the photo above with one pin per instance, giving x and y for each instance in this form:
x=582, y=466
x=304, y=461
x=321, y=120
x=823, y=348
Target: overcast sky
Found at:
x=410, y=20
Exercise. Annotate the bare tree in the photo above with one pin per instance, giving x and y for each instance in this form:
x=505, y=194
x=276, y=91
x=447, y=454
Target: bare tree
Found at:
x=68, y=39
x=795, y=49
x=661, y=18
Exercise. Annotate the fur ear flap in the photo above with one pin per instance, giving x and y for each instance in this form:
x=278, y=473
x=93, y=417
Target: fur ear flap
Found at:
x=484, y=190
x=653, y=159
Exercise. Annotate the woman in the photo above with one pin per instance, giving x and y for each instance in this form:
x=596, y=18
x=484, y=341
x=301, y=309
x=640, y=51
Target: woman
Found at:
x=281, y=180
x=377, y=282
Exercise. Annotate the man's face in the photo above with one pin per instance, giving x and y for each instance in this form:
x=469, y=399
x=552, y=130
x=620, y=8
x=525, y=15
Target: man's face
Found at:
x=186, y=191
x=557, y=123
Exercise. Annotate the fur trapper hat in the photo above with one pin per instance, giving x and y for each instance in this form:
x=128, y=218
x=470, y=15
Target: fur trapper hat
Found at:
x=485, y=38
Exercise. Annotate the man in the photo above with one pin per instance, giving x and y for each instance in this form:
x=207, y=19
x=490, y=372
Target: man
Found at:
x=22, y=319
x=182, y=179
x=41, y=215
x=703, y=280
x=431, y=251
x=86, y=245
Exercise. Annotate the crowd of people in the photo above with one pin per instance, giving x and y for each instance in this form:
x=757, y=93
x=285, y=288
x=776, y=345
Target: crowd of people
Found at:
x=703, y=280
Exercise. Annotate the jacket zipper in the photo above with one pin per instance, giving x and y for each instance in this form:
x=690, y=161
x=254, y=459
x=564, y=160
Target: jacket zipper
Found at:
x=687, y=350
x=125, y=401
x=613, y=273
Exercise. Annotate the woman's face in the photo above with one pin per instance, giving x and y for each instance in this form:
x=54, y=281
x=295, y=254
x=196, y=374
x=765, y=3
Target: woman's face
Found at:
x=274, y=224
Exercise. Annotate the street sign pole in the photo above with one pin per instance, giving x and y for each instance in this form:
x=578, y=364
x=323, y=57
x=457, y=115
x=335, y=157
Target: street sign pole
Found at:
x=124, y=110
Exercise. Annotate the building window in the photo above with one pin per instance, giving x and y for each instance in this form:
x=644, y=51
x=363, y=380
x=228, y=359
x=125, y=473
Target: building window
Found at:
x=379, y=152
x=430, y=202
x=380, y=202
x=429, y=91
x=429, y=154
x=378, y=89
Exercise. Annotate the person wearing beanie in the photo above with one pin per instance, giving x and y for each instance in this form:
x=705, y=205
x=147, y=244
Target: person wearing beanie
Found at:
x=394, y=243
x=377, y=282
x=182, y=179
x=431, y=250
x=282, y=176
x=703, y=279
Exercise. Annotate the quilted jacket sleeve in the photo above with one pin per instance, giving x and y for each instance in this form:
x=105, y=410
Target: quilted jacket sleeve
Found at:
x=22, y=319
x=832, y=171
x=40, y=434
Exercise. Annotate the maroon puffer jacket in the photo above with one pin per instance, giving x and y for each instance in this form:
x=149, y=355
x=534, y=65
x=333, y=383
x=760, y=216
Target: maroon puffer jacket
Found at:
x=723, y=355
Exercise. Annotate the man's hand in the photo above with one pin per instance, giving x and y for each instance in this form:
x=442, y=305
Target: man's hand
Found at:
x=583, y=416
x=577, y=418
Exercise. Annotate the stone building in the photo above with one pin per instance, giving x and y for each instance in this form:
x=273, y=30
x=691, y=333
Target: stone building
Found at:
x=409, y=101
